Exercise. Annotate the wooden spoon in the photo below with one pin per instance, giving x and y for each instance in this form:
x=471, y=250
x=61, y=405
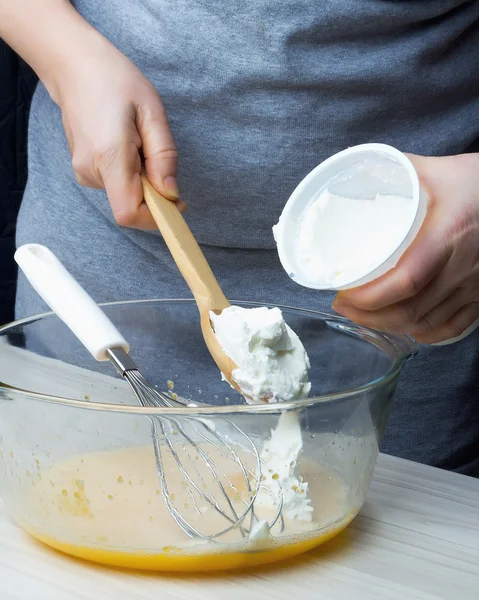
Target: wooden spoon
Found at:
x=195, y=269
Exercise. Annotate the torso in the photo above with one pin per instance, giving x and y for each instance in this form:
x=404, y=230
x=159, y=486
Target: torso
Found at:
x=258, y=92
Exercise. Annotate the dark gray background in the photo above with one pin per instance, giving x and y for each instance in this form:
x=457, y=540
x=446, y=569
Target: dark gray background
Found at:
x=17, y=83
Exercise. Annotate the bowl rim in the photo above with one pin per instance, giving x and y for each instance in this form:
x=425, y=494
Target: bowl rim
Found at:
x=404, y=348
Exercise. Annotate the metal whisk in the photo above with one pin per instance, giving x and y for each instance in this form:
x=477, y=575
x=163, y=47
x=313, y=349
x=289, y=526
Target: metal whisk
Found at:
x=209, y=459
x=179, y=433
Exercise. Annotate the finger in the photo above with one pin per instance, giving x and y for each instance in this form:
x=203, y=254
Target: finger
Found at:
x=381, y=320
x=440, y=289
x=445, y=295
x=454, y=327
x=181, y=205
x=87, y=176
x=403, y=317
x=83, y=164
x=159, y=149
x=439, y=315
x=431, y=326
x=120, y=173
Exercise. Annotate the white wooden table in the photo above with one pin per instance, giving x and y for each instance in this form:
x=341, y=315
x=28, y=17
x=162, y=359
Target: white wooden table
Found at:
x=417, y=538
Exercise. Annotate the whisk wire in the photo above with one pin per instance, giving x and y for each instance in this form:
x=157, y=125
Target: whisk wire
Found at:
x=178, y=440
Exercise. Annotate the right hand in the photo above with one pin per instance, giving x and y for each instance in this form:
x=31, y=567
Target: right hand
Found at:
x=110, y=111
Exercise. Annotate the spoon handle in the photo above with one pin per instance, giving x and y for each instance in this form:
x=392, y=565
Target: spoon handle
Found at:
x=185, y=250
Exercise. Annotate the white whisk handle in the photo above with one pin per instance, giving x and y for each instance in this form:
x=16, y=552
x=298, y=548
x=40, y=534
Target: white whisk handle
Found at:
x=65, y=296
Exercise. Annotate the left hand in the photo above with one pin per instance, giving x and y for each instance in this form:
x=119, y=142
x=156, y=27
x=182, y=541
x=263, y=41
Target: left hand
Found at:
x=433, y=292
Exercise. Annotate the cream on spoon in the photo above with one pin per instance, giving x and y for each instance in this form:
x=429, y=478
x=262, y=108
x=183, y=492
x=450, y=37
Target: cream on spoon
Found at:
x=256, y=352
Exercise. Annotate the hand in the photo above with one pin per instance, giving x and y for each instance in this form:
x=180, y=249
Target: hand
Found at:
x=110, y=111
x=433, y=292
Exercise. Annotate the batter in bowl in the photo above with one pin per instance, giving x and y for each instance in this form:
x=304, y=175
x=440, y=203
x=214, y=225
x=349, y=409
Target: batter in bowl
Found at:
x=107, y=507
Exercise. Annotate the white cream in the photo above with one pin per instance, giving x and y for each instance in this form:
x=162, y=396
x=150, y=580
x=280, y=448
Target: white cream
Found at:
x=272, y=362
x=260, y=532
x=272, y=365
x=281, y=455
x=340, y=240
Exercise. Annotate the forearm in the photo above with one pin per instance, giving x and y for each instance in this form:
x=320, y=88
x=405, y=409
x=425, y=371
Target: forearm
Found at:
x=50, y=35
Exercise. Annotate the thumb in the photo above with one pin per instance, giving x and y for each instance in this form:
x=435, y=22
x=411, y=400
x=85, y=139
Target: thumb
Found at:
x=429, y=169
x=158, y=146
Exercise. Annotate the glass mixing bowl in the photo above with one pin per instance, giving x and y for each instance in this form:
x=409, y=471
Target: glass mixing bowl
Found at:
x=77, y=465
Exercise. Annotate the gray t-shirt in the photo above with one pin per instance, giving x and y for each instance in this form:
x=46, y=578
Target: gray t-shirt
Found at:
x=258, y=92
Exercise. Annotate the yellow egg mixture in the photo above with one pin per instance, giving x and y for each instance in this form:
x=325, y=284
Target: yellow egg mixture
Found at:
x=108, y=507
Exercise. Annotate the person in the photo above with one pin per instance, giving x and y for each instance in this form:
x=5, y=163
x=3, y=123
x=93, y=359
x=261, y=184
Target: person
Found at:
x=231, y=104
